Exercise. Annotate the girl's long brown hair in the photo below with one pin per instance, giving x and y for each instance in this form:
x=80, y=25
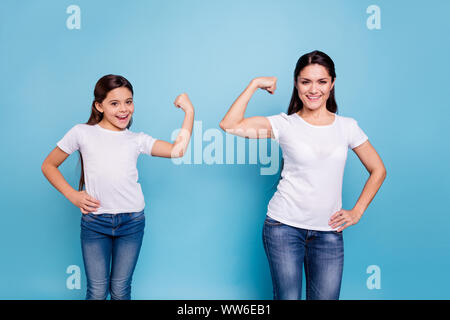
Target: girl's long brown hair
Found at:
x=104, y=85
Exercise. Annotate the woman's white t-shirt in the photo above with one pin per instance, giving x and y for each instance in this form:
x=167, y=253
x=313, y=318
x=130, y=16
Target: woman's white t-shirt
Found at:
x=110, y=159
x=310, y=188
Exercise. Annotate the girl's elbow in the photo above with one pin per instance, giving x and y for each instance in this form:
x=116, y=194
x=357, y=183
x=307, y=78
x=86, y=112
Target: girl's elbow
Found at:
x=44, y=167
x=177, y=152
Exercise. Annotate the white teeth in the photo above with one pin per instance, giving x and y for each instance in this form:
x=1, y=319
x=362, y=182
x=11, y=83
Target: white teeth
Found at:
x=313, y=98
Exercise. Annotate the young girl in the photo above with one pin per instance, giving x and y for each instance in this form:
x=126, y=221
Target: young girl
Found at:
x=112, y=206
x=305, y=219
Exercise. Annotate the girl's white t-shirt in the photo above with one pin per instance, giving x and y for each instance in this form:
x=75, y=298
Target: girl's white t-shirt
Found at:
x=110, y=159
x=310, y=188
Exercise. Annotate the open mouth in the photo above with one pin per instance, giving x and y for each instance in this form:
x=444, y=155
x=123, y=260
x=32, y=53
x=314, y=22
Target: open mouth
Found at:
x=313, y=98
x=123, y=118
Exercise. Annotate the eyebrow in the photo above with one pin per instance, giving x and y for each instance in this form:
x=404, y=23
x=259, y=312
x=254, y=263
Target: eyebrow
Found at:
x=310, y=80
x=119, y=100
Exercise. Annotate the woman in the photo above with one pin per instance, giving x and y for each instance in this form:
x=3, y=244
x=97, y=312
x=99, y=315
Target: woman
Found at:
x=305, y=218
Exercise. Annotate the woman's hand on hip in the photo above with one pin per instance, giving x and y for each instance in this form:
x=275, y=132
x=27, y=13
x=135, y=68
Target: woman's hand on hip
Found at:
x=344, y=218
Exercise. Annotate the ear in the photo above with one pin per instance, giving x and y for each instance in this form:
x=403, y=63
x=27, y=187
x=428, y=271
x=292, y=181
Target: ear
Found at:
x=332, y=84
x=98, y=106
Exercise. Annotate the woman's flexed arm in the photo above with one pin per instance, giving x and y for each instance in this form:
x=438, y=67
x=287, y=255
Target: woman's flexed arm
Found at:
x=252, y=127
x=178, y=148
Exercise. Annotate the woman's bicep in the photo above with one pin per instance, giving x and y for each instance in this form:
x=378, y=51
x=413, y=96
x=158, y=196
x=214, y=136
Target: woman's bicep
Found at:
x=369, y=156
x=257, y=127
x=56, y=157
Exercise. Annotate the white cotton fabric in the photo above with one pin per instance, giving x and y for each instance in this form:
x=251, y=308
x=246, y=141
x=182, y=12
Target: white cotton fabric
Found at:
x=310, y=188
x=110, y=159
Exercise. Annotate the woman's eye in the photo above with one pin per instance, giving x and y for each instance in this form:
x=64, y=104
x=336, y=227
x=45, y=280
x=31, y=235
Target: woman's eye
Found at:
x=304, y=82
x=323, y=82
x=129, y=102
x=114, y=103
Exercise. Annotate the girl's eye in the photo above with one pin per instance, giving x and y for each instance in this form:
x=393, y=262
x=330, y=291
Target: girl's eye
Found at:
x=129, y=102
x=114, y=103
x=323, y=82
x=304, y=82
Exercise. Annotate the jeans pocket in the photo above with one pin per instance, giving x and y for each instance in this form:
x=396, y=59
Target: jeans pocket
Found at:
x=88, y=217
x=272, y=222
x=138, y=216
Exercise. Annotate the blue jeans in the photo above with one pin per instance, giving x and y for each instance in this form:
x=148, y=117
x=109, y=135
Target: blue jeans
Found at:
x=289, y=248
x=110, y=244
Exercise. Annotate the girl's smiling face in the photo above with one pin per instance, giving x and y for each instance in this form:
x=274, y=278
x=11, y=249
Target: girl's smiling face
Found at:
x=117, y=109
x=314, y=85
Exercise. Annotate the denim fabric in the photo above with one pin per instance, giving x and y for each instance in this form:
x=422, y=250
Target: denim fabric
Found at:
x=110, y=244
x=289, y=248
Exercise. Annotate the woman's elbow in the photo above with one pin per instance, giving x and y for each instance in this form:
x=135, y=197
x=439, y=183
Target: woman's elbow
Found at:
x=223, y=126
x=380, y=172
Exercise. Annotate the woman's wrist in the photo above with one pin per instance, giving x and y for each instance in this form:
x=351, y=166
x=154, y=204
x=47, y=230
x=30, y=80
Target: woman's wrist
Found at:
x=254, y=84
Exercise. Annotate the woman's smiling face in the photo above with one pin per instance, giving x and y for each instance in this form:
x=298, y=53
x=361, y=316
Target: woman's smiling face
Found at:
x=117, y=109
x=314, y=85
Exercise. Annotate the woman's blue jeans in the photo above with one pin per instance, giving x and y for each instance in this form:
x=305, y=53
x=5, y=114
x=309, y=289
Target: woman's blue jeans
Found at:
x=289, y=248
x=110, y=244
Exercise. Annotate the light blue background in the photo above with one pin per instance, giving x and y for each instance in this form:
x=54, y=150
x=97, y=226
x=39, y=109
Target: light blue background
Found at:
x=204, y=222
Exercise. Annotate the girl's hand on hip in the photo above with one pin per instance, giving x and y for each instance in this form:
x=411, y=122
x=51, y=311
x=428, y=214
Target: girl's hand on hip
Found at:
x=85, y=202
x=343, y=219
x=183, y=102
x=266, y=83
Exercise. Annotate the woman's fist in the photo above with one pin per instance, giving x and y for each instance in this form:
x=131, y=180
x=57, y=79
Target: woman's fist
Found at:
x=266, y=83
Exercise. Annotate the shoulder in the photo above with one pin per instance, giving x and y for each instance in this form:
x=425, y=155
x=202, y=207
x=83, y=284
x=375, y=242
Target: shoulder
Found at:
x=346, y=121
x=282, y=117
x=82, y=127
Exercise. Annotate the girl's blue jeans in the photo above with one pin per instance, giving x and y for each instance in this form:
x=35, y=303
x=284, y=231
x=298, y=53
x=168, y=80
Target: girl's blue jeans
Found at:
x=289, y=248
x=110, y=244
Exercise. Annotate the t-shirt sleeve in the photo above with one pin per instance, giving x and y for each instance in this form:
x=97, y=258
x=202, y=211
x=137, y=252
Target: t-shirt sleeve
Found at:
x=71, y=141
x=146, y=143
x=357, y=136
x=278, y=123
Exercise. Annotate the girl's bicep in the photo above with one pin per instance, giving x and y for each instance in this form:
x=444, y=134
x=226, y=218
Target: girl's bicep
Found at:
x=254, y=128
x=56, y=157
x=162, y=149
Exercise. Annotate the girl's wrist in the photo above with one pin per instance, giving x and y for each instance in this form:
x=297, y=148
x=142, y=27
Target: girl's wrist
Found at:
x=189, y=109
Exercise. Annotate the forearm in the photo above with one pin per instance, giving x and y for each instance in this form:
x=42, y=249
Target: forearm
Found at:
x=369, y=191
x=57, y=180
x=184, y=135
x=237, y=110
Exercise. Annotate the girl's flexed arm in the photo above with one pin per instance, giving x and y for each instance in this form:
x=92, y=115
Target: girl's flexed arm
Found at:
x=252, y=127
x=178, y=148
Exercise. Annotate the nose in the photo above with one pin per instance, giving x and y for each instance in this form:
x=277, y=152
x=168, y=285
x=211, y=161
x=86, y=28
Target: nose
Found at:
x=123, y=107
x=313, y=87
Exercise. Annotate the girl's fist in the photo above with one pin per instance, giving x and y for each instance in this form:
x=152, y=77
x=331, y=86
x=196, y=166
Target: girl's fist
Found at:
x=183, y=102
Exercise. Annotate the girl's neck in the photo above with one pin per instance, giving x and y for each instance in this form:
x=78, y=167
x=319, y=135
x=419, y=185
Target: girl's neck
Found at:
x=105, y=124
